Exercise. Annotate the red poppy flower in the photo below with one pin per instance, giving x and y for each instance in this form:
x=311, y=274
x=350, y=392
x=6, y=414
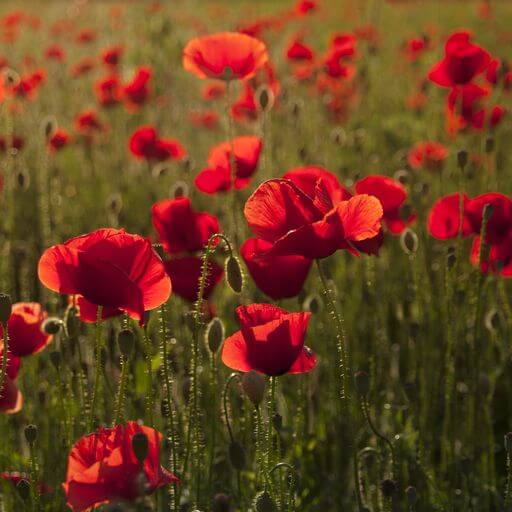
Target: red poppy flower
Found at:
x=25, y=334
x=86, y=35
x=279, y=277
x=110, y=268
x=145, y=143
x=281, y=213
x=299, y=51
x=208, y=119
x=392, y=196
x=445, y=216
x=217, y=177
x=181, y=229
x=500, y=223
x=17, y=142
x=244, y=108
x=111, y=56
x=137, y=91
x=15, y=477
x=11, y=399
x=108, y=91
x=213, y=91
x=429, y=155
x=335, y=61
x=102, y=467
x=59, y=139
x=464, y=107
x=88, y=123
x=28, y=85
x=227, y=55
x=55, y=52
x=185, y=273
x=303, y=7
x=270, y=341
x=414, y=48
x=499, y=258
x=82, y=67
x=463, y=61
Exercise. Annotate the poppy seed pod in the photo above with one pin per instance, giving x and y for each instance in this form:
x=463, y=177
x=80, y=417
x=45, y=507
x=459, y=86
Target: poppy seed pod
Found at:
x=52, y=325
x=5, y=308
x=126, y=342
x=409, y=241
x=362, y=382
x=23, y=487
x=492, y=320
x=140, y=446
x=254, y=386
x=234, y=275
x=214, y=334
x=31, y=434
x=313, y=303
x=263, y=502
x=265, y=98
x=180, y=189
x=412, y=495
x=237, y=455
x=462, y=158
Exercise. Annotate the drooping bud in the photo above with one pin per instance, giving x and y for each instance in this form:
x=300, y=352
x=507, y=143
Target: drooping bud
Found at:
x=362, y=382
x=140, y=446
x=214, y=334
x=52, y=325
x=254, y=386
x=409, y=241
x=237, y=455
x=126, y=342
x=31, y=434
x=5, y=308
x=23, y=487
x=234, y=275
x=263, y=502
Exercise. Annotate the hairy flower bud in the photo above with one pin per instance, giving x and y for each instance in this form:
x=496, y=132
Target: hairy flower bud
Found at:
x=214, y=334
x=254, y=386
x=234, y=275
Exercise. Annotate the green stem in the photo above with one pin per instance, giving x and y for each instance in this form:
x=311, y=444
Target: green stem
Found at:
x=97, y=369
x=150, y=397
x=119, y=410
x=5, y=355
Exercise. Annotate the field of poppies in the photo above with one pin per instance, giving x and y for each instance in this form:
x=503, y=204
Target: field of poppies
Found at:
x=254, y=256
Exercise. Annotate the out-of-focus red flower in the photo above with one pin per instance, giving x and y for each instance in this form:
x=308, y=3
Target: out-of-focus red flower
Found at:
x=218, y=177
x=58, y=140
x=303, y=7
x=111, y=56
x=15, y=477
x=108, y=91
x=109, y=268
x=86, y=35
x=82, y=67
x=136, y=92
x=208, y=119
x=279, y=277
x=213, y=91
x=145, y=143
x=28, y=85
x=392, y=196
x=464, y=107
x=368, y=33
x=499, y=257
x=244, y=108
x=297, y=50
x=11, y=399
x=102, y=467
x=55, y=52
x=227, y=55
x=463, y=61
x=445, y=216
x=427, y=155
x=185, y=273
x=281, y=213
x=25, y=334
x=270, y=341
x=88, y=123
x=180, y=228
x=336, y=60
x=17, y=142
x=414, y=48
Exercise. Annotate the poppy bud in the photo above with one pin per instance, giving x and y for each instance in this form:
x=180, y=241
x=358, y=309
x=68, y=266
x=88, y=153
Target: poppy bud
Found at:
x=362, y=382
x=140, y=446
x=388, y=487
x=180, y=189
x=339, y=136
x=277, y=421
x=492, y=320
x=489, y=144
x=187, y=163
x=31, y=434
x=265, y=98
x=51, y=325
x=234, y=276
x=159, y=170
x=56, y=358
x=409, y=241
x=72, y=322
x=5, y=308
x=451, y=259
x=11, y=77
x=508, y=443
x=214, y=334
x=237, y=455
x=221, y=503
x=49, y=125
x=254, y=386
x=23, y=179
x=412, y=495
x=462, y=158
x=313, y=303
x=296, y=108
x=126, y=342
x=23, y=488
x=402, y=176
x=263, y=502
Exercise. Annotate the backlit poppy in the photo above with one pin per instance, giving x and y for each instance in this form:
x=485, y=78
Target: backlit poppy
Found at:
x=145, y=143
x=428, y=155
x=136, y=92
x=445, y=217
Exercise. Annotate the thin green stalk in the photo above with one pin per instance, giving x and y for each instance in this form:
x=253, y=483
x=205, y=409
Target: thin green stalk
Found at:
x=97, y=369
x=5, y=355
x=150, y=397
x=119, y=409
